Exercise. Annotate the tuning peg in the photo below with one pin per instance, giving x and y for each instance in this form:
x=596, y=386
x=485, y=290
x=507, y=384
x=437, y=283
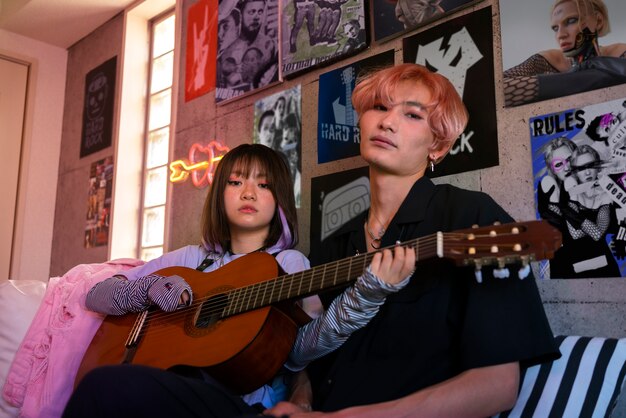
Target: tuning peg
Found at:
x=479, y=275
x=478, y=272
x=523, y=272
x=501, y=273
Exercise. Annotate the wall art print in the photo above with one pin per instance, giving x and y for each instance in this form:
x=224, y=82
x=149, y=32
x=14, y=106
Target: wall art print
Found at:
x=247, y=47
x=99, y=203
x=579, y=166
x=394, y=17
x=278, y=125
x=320, y=31
x=462, y=50
x=534, y=60
x=201, y=49
x=336, y=199
x=98, y=108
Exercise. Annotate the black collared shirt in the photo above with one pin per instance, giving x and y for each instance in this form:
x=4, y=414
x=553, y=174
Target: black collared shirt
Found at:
x=443, y=322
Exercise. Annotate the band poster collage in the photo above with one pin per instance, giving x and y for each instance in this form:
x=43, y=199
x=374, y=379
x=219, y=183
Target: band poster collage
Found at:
x=579, y=155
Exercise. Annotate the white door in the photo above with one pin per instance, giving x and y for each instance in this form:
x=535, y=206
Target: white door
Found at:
x=13, y=79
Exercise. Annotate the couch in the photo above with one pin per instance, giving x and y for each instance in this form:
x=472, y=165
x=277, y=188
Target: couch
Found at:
x=585, y=382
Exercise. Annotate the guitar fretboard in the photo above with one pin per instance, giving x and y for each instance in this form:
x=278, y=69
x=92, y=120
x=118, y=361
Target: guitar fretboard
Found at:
x=307, y=282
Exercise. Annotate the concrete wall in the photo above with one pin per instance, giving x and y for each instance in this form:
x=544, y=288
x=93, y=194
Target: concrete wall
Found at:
x=590, y=307
x=68, y=247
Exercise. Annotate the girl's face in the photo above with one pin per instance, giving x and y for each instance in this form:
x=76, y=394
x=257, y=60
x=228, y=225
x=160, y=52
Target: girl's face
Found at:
x=560, y=162
x=585, y=168
x=397, y=138
x=249, y=203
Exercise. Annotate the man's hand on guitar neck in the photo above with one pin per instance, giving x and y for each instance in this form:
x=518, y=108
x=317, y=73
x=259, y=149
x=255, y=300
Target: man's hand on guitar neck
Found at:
x=393, y=267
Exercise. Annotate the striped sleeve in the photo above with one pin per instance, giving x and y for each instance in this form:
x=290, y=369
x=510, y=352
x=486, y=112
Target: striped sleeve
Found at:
x=350, y=311
x=585, y=382
x=118, y=296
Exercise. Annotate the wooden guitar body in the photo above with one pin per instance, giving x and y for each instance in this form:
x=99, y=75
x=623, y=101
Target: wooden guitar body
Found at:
x=253, y=344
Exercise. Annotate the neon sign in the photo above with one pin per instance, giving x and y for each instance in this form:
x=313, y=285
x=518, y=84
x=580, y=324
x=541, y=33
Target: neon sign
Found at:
x=200, y=165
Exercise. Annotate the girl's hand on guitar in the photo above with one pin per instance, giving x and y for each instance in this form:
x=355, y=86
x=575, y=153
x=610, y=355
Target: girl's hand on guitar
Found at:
x=286, y=409
x=291, y=410
x=170, y=293
x=394, y=267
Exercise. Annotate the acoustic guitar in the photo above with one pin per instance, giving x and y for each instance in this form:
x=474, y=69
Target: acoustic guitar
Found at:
x=243, y=319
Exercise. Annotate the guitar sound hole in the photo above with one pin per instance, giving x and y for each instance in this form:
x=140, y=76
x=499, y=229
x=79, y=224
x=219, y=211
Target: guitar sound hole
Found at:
x=211, y=311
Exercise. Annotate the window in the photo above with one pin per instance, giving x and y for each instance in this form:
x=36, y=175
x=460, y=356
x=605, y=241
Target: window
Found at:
x=157, y=141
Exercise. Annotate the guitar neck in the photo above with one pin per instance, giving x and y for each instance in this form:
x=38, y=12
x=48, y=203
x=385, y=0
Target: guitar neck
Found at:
x=499, y=244
x=325, y=276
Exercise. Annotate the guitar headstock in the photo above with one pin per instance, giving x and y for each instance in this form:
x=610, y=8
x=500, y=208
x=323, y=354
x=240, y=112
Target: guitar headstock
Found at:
x=347, y=75
x=499, y=245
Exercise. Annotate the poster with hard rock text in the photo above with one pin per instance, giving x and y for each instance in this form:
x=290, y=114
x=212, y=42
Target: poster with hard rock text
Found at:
x=337, y=130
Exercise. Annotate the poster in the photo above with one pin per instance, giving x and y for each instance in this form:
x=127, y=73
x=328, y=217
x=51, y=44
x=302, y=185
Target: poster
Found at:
x=579, y=167
x=394, y=17
x=201, y=49
x=98, y=108
x=337, y=130
x=318, y=31
x=278, y=125
x=99, y=203
x=336, y=199
x=247, y=47
x=527, y=30
x=462, y=50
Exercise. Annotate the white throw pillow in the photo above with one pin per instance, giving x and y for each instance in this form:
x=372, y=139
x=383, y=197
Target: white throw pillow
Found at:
x=19, y=301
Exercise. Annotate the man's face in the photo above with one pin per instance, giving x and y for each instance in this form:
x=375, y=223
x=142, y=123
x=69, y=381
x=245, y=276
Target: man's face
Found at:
x=396, y=138
x=252, y=15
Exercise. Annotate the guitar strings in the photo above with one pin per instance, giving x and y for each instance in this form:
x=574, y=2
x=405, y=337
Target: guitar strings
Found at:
x=247, y=292
x=239, y=300
x=243, y=293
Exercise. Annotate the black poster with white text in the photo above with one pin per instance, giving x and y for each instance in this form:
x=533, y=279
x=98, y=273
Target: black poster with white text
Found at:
x=462, y=50
x=98, y=108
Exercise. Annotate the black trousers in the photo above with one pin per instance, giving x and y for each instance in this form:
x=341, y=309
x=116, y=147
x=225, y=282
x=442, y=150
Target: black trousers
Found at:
x=139, y=391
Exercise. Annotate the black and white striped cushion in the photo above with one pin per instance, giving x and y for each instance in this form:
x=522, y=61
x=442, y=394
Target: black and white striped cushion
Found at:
x=584, y=382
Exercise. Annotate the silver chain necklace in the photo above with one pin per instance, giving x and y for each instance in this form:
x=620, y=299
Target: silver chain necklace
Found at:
x=376, y=244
